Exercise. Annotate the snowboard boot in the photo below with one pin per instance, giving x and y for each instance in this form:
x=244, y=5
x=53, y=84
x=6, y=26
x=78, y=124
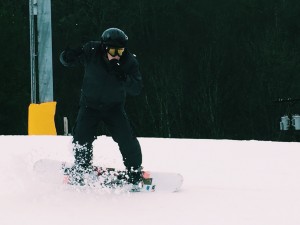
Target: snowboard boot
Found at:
x=131, y=176
x=83, y=154
x=82, y=171
x=135, y=176
x=80, y=174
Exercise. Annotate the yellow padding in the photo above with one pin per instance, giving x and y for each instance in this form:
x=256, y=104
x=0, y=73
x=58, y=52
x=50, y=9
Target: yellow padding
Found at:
x=41, y=119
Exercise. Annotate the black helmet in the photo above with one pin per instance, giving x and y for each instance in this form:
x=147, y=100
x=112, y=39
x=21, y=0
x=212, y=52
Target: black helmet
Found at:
x=114, y=37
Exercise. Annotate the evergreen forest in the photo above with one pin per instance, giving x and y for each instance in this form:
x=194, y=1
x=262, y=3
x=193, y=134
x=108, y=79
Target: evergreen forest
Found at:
x=211, y=69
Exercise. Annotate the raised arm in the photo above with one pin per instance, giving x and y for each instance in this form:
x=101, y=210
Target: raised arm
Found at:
x=71, y=57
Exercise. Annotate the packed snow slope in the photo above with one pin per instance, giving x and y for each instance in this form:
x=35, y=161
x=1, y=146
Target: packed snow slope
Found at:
x=225, y=183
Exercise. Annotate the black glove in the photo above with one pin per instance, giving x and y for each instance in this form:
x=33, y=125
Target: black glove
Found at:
x=116, y=69
x=71, y=55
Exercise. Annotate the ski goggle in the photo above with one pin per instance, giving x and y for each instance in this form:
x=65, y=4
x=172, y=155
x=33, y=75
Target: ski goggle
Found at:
x=115, y=51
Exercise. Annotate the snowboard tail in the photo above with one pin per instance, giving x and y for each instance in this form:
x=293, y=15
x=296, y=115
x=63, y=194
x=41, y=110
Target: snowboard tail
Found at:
x=54, y=171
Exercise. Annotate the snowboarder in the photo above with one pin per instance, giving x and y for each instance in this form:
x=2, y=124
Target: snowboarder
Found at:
x=111, y=72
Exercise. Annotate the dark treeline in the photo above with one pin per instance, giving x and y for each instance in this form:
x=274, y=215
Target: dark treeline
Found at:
x=212, y=69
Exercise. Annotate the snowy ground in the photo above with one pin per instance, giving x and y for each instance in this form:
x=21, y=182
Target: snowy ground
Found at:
x=226, y=183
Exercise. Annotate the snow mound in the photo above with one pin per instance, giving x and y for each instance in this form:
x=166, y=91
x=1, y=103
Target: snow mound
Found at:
x=225, y=182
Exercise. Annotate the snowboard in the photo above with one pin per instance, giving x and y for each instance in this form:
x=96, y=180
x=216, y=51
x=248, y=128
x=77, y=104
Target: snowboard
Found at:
x=54, y=171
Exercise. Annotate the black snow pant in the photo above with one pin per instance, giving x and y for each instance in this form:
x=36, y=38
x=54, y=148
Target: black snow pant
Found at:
x=116, y=121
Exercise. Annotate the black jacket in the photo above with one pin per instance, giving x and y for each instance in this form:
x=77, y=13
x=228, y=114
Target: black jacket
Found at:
x=101, y=88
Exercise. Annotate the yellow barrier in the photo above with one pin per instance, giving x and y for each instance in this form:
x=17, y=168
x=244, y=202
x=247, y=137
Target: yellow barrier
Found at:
x=41, y=119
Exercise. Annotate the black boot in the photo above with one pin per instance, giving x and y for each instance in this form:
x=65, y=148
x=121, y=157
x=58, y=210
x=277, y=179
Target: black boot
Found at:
x=83, y=155
x=76, y=175
x=81, y=174
x=135, y=175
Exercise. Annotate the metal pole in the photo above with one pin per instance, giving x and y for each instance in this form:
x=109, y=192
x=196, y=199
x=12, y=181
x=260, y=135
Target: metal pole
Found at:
x=32, y=14
x=40, y=116
x=66, y=126
x=45, y=66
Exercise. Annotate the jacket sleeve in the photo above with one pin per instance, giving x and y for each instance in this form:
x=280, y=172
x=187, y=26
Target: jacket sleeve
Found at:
x=73, y=57
x=133, y=84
